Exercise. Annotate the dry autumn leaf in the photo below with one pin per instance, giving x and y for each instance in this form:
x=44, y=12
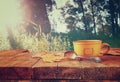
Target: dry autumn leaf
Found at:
x=50, y=56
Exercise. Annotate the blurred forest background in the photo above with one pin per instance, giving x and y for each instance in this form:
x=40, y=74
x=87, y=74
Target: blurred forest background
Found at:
x=52, y=25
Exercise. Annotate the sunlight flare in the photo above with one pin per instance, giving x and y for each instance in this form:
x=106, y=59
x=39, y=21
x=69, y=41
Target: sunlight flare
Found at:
x=10, y=13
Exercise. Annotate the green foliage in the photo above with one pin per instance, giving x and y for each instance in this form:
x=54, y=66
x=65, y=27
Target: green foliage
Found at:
x=82, y=35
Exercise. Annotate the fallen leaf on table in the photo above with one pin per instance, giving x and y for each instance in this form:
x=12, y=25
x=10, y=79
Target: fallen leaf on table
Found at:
x=50, y=56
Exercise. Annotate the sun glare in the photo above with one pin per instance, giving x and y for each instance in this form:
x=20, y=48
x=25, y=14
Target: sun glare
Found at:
x=10, y=13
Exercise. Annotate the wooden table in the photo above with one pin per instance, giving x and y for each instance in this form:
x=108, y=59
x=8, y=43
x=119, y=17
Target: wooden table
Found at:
x=20, y=65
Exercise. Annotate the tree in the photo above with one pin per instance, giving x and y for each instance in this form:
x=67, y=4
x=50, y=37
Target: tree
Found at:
x=80, y=4
x=36, y=11
x=93, y=15
x=113, y=8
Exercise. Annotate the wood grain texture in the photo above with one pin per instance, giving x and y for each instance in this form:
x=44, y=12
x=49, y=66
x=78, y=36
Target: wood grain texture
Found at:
x=16, y=64
x=64, y=80
x=19, y=64
x=102, y=73
x=109, y=68
x=9, y=53
x=44, y=70
x=114, y=51
x=15, y=73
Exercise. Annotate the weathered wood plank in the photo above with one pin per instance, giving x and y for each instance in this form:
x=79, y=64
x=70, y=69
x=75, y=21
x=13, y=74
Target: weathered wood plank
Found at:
x=102, y=73
x=111, y=61
x=19, y=60
x=69, y=69
x=15, y=73
x=44, y=70
x=114, y=51
x=9, y=53
x=17, y=66
x=64, y=80
x=23, y=57
x=89, y=73
x=109, y=68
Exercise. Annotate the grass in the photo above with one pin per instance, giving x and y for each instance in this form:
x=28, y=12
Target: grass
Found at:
x=45, y=43
x=18, y=40
x=4, y=43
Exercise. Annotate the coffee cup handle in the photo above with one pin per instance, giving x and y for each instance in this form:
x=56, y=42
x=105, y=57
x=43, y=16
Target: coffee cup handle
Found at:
x=105, y=48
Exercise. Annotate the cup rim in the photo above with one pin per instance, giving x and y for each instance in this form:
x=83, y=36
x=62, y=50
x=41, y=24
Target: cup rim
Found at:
x=87, y=41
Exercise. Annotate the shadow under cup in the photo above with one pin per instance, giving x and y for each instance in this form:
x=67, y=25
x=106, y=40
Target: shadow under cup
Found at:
x=90, y=47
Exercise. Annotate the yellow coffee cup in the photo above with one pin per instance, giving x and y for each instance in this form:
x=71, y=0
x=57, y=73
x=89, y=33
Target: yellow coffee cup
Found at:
x=90, y=47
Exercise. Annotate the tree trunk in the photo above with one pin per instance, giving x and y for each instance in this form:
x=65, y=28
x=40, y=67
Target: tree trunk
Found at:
x=112, y=13
x=117, y=15
x=84, y=19
x=35, y=11
x=94, y=27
